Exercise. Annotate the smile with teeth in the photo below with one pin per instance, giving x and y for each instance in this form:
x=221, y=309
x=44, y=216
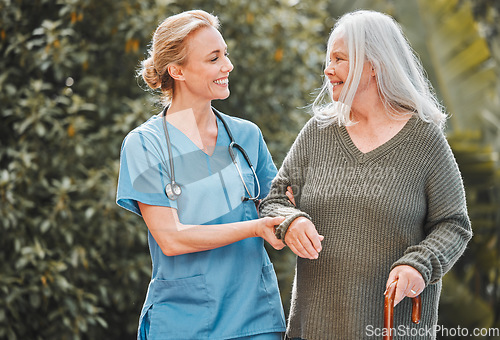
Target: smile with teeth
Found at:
x=224, y=81
x=337, y=83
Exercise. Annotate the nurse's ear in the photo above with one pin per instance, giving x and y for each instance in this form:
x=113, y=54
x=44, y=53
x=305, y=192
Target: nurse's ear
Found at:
x=175, y=71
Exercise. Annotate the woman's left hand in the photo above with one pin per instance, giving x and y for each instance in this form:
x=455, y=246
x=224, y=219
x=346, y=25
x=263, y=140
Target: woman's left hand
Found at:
x=409, y=282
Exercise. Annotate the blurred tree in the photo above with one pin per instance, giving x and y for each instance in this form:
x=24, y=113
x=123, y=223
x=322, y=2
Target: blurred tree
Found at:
x=72, y=265
x=487, y=14
x=465, y=73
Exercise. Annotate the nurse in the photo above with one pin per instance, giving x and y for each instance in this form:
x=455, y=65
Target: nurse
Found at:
x=211, y=276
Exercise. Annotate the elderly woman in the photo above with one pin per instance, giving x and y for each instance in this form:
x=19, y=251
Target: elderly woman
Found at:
x=373, y=174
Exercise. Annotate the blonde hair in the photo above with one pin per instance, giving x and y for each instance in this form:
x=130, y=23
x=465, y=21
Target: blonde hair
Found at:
x=377, y=38
x=169, y=45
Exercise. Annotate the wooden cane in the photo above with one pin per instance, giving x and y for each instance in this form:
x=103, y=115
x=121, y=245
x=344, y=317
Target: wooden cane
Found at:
x=390, y=294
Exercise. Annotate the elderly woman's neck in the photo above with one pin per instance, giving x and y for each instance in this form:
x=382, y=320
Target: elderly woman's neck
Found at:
x=374, y=127
x=369, y=112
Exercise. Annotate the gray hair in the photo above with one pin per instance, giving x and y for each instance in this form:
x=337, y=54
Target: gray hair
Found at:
x=402, y=84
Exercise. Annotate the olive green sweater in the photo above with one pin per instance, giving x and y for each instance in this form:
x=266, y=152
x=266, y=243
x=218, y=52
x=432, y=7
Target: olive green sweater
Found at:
x=402, y=203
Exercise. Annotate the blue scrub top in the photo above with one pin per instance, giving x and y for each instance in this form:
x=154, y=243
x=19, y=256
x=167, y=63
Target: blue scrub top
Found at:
x=224, y=293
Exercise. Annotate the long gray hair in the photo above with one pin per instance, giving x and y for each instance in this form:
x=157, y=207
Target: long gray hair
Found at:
x=377, y=38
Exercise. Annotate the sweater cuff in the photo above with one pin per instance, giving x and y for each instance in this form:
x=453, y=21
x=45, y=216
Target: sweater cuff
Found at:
x=416, y=261
x=280, y=231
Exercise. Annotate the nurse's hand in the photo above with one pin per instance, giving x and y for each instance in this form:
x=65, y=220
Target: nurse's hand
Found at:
x=265, y=229
x=303, y=238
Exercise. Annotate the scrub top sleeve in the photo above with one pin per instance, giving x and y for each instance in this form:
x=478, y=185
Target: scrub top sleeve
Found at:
x=265, y=168
x=143, y=174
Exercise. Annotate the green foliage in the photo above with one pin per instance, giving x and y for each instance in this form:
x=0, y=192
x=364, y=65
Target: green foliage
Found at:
x=73, y=265
x=457, y=290
x=465, y=74
x=472, y=288
x=459, y=53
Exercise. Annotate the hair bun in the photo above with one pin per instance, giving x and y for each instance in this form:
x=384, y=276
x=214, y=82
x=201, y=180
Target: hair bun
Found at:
x=150, y=74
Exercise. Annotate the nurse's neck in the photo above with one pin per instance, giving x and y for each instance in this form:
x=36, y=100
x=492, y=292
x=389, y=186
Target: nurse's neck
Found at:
x=181, y=114
x=198, y=123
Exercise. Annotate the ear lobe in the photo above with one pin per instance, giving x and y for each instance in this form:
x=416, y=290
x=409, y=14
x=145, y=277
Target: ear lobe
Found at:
x=175, y=71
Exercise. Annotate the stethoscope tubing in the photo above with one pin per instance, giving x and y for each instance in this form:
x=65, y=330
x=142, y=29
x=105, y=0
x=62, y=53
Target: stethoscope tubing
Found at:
x=233, y=145
x=173, y=190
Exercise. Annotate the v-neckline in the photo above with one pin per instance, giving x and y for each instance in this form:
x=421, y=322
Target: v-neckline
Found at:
x=193, y=143
x=363, y=157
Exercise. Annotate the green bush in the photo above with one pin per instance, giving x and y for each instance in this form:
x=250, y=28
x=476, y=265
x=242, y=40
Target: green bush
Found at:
x=73, y=265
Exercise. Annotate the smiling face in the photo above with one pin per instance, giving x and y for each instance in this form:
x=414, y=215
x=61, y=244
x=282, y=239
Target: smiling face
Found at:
x=204, y=76
x=337, y=72
x=338, y=68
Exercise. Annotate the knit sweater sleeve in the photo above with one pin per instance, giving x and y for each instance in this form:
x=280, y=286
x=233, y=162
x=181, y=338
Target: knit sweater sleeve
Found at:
x=292, y=173
x=447, y=226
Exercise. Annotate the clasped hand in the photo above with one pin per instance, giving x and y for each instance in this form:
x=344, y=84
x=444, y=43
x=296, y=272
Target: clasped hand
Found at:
x=303, y=238
x=265, y=229
x=409, y=282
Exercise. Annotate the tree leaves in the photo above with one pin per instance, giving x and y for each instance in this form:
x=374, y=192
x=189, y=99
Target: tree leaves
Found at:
x=458, y=58
x=65, y=245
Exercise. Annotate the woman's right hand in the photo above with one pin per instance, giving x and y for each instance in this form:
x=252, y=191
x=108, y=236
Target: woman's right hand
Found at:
x=409, y=282
x=265, y=229
x=303, y=238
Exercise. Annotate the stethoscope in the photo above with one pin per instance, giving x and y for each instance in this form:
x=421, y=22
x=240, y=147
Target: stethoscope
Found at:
x=173, y=190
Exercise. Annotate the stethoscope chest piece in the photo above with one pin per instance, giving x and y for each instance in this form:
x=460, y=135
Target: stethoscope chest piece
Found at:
x=173, y=190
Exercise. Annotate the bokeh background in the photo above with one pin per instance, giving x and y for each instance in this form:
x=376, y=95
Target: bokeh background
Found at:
x=75, y=266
